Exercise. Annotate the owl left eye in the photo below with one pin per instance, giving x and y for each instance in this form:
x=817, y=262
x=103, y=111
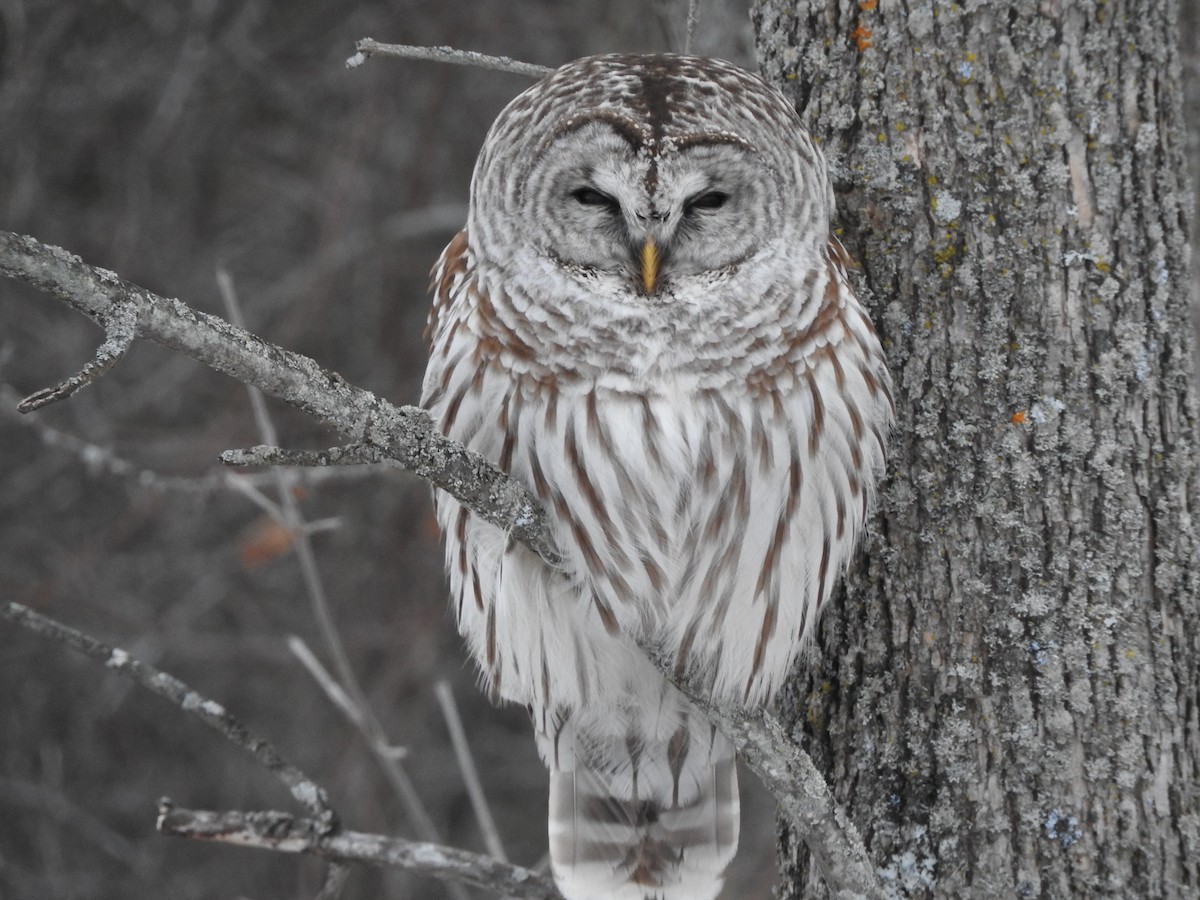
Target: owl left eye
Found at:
x=591, y=197
x=708, y=200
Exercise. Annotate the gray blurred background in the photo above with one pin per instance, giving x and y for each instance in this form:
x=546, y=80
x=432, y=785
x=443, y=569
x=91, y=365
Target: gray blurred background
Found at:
x=167, y=141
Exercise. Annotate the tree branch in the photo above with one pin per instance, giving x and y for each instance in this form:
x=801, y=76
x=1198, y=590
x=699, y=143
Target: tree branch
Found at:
x=320, y=836
x=369, y=47
x=281, y=832
x=406, y=435
x=306, y=791
x=119, y=331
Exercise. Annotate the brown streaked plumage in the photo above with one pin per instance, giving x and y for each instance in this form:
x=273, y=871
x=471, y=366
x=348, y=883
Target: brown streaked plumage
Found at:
x=647, y=321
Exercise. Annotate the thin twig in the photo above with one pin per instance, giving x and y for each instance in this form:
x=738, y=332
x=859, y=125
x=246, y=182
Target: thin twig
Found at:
x=99, y=459
x=269, y=830
x=407, y=436
x=256, y=496
x=693, y=17
x=370, y=47
x=333, y=690
x=264, y=455
x=120, y=329
x=342, y=251
x=307, y=792
x=324, y=680
x=466, y=764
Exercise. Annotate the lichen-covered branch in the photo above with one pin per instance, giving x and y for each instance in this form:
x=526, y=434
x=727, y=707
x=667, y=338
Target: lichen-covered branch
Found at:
x=370, y=47
x=318, y=836
x=270, y=830
x=406, y=435
x=306, y=791
x=403, y=433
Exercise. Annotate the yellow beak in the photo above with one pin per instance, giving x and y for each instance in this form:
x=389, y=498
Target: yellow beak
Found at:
x=649, y=265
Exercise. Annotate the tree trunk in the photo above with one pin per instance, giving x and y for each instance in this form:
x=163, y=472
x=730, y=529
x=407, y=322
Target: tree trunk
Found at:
x=1005, y=697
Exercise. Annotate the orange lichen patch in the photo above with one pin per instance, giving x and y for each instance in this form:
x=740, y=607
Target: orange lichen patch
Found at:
x=867, y=5
x=1018, y=418
x=861, y=36
x=264, y=542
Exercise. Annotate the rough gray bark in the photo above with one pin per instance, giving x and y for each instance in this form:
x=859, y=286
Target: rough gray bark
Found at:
x=1006, y=696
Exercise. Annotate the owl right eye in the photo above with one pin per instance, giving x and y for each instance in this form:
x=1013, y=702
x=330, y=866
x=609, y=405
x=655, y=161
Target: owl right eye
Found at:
x=587, y=196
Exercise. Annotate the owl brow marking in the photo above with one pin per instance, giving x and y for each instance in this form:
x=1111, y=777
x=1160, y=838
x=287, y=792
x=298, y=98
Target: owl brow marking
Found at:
x=625, y=128
x=709, y=139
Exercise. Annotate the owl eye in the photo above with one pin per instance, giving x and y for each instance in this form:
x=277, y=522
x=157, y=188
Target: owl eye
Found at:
x=709, y=200
x=591, y=197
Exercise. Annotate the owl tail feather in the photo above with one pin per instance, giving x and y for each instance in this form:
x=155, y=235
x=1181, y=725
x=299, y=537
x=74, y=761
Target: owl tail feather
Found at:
x=643, y=819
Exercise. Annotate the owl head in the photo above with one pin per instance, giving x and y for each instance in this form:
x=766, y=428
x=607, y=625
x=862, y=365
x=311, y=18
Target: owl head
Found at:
x=650, y=179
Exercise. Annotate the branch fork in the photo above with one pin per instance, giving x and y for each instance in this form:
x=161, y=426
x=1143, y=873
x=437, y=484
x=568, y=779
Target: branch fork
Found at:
x=120, y=330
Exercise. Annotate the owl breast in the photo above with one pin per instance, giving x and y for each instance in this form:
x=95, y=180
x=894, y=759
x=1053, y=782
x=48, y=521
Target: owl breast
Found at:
x=705, y=510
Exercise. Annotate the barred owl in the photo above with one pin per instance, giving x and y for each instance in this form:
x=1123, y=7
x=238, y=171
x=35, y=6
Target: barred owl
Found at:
x=647, y=322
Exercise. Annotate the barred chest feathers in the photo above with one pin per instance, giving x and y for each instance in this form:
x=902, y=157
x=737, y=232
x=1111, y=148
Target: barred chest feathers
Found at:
x=682, y=510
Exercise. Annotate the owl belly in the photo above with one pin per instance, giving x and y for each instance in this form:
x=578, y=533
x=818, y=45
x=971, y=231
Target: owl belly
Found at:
x=685, y=522
x=708, y=525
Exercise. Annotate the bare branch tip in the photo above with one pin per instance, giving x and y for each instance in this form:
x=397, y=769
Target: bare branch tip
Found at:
x=267, y=455
x=367, y=46
x=120, y=332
